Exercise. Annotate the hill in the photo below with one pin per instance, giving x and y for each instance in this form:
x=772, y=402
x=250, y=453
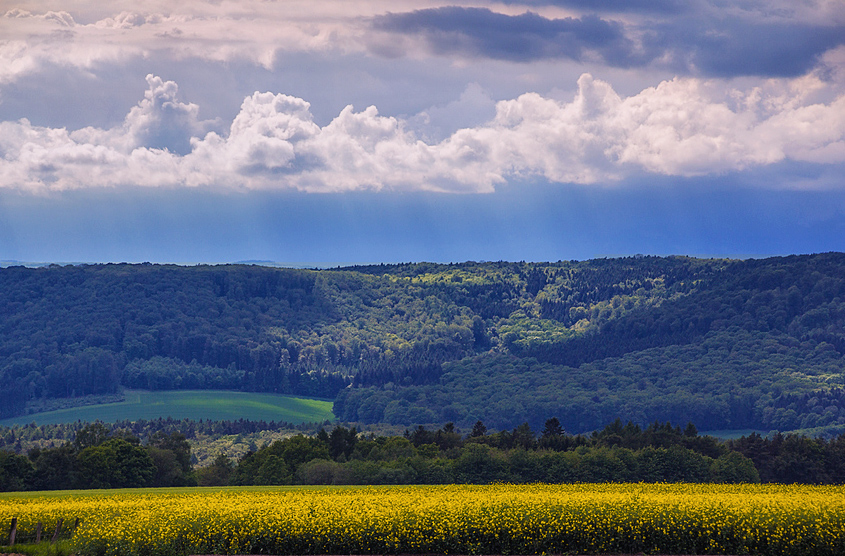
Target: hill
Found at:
x=726, y=344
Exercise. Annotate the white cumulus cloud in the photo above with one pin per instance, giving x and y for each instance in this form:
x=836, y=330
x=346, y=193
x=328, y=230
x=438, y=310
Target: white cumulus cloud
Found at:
x=682, y=127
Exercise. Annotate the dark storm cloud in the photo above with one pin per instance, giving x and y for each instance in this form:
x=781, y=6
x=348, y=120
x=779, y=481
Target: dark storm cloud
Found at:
x=734, y=48
x=520, y=38
x=702, y=43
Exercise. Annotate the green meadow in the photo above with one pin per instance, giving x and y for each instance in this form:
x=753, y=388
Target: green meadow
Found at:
x=190, y=404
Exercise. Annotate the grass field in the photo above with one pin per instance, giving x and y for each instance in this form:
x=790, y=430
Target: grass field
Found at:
x=190, y=404
x=451, y=519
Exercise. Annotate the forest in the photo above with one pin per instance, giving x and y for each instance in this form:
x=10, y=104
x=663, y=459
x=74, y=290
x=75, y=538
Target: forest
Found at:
x=111, y=456
x=726, y=344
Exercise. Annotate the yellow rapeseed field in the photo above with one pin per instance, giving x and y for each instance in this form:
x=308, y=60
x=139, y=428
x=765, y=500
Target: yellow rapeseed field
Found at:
x=497, y=519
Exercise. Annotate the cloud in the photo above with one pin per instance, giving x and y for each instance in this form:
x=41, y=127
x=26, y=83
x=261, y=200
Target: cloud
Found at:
x=520, y=38
x=618, y=6
x=160, y=121
x=700, y=37
x=61, y=18
x=727, y=47
x=474, y=107
x=32, y=41
x=682, y=127
x=129, y=20
x=702, y=42
x=254, y=31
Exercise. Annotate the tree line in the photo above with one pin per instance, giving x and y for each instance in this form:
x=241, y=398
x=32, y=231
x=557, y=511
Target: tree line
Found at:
x=21, y=438
x=100, y=456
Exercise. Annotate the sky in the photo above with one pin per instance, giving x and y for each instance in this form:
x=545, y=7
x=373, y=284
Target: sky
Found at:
x=335, y=132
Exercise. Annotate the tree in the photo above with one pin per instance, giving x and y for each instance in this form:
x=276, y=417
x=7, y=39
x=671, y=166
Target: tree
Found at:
x=552, y=428
x=216, y=474
x=16, y=472
x=479, y=464
x=733, y=467
x=299, y=449
x=91, y=435
x=552, y=437
x=478, y=430
x=523, y=437
x=273, y=471
x=342, y=442
x=447, y=437
x=55, y=469
x=167, y=471
x=116, y=463
x=171, y=455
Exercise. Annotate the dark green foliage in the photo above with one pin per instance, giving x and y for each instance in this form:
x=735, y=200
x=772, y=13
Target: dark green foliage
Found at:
x=73, y=331
x=727, y=344
x=733, y=467
x=281, y=460
x=658, y=453
x=727, y=380
x=444, y=438
x=341, y=442
x=171, y=455
x=478, y=430
x=219, y=473
x=672, y=465
x=552, y=428
x=116, y=463
x=16, y=472
x=658, y=435
x=91, y=435
x=55, y=469
x=794, y=459
x=101, y=457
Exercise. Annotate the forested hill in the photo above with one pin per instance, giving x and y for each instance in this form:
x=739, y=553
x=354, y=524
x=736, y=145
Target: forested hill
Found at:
x=721, y=343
